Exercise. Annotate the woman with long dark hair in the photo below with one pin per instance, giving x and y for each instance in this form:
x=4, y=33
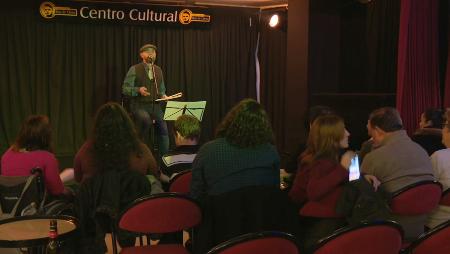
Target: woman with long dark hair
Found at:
x=33, y=149
x=112, y=166
x=113, y=145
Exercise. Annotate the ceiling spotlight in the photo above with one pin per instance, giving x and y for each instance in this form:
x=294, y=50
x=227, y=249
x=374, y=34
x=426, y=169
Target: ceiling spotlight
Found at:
x=274, y=20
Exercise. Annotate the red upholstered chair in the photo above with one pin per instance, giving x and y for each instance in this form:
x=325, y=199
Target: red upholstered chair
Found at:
x=181, y=182
x=445, y=198
x=245, y=210
x=416, y=199
x=267, y=242
x=160, y=213
x=435, y=241
x=383, y=237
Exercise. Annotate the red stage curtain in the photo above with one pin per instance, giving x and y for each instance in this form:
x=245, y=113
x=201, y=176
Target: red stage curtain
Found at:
x=418, y=61
x=447, y=79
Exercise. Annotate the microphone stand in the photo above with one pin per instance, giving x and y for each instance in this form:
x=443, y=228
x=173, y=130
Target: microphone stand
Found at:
x=154, y=79
x=153, y=95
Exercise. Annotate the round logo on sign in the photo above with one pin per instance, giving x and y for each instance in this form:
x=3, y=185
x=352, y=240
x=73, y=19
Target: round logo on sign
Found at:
x=47, y=10
x=185, y=16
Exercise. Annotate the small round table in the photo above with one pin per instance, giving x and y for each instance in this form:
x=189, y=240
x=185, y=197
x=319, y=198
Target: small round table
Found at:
x=33, y=231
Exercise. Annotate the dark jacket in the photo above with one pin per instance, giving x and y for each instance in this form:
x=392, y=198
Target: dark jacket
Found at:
x=105, y=194
x=429, y=138
x=179, y=159
x=359, y=202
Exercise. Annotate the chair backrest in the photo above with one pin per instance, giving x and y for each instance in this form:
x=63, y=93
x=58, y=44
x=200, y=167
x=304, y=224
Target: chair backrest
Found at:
x=435, y=241
x=246, y=210
x=181, y=182
x=161, y=213
x=21, y=195
x=416, y=199
x=267, y=242
x=368, y=238
x=445, y=198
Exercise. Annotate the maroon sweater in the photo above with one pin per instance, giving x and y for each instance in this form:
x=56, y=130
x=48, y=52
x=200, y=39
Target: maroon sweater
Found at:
x=320, y=186
x=84, y=165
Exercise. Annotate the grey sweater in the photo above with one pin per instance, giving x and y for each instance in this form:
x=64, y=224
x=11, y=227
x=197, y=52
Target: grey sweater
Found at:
x=398, y=162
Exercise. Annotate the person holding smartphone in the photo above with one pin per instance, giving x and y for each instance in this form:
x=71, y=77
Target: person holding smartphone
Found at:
x=318, y=185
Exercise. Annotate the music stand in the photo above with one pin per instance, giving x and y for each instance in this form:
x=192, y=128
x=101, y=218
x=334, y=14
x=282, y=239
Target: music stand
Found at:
x=174, y=109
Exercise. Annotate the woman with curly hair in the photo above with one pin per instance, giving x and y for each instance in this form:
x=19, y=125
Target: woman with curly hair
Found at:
x=114, y=145
x=33, y=149
x=241, y=155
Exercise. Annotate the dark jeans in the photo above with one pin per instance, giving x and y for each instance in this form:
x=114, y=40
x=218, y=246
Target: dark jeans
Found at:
x=144, y=114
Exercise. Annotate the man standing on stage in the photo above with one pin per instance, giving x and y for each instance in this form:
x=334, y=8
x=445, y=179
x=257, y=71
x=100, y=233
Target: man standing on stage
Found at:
x=144, y=83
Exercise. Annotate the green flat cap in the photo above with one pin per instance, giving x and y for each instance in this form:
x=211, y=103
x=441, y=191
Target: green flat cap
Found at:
x=147, y=47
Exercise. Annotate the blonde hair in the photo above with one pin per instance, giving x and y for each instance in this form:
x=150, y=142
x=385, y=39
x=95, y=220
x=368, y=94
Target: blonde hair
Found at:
x=324, y=139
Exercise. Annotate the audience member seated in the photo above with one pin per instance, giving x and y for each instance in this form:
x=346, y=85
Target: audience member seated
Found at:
x=32, y=149
x=236, y=177
x=113, y=142
x=186, y=132
x=440, y=160
x=112, y=175
x=293, y=161
x=319, y=183
x=396, y=161
x=241, y=155
x=429, y=134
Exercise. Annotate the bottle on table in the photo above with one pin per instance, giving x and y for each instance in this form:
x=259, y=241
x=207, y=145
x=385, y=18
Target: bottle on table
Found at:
x=53, y=245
